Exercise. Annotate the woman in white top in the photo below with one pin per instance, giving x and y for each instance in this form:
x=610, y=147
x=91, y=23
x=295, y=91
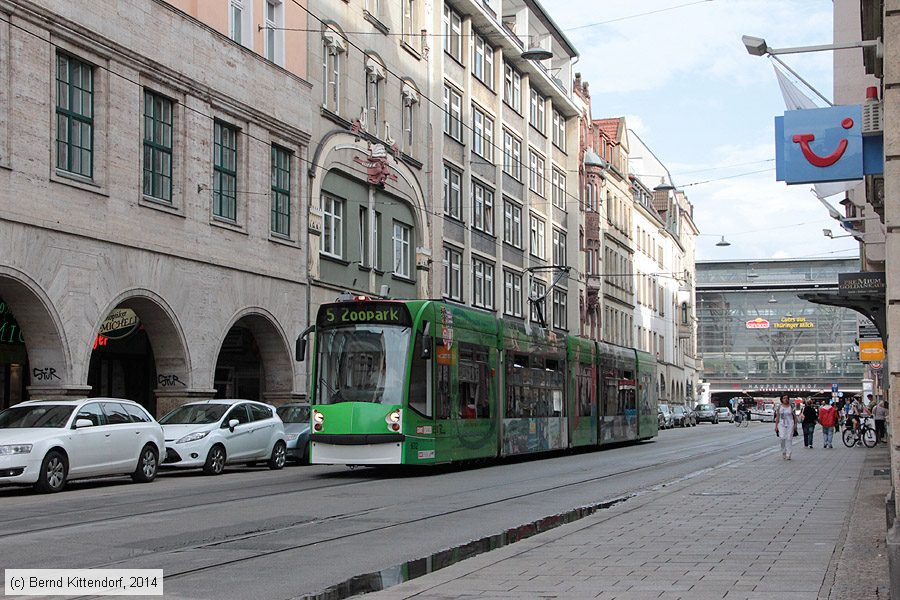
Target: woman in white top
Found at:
x=785, y=426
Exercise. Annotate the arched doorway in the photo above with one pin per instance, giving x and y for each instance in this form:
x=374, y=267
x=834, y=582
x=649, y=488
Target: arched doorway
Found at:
x=254, y=360
x=33, y=358
x=137, y=352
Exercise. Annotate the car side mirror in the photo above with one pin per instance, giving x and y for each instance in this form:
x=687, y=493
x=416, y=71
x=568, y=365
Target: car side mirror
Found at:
x=82, y=423
x=232, y=424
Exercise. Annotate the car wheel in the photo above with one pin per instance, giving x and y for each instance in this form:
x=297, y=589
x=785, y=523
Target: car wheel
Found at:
x=279, y=456
x=215, y=461
x=54, y=470
x=148, y=465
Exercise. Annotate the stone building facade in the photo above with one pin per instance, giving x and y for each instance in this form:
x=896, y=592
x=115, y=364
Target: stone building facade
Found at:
x=152, y=160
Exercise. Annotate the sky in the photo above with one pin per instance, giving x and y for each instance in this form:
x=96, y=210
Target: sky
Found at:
x=687, y=86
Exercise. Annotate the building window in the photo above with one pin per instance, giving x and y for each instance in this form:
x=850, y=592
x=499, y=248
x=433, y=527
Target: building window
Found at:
x=559, y=309
x=482, y=135
x=452, y=30
x=512, y=155
x=74, y=116
x=452, y=113
x=512, y=87
x=364, y=232
x=332, y=226
x=559, y=189
x=559, y=247
x=408, y=28
x=401, y=249
x=512, y=293
x=535, y=173
x=157, y=147
x=559, y=130
x=225, y=171
x=536, y=111
x=589, y=261
x=373, y=100
x=376, y=242
x=590, y=200
x=373, y=7
x=483, y=283
x=452, y=273
x=483, y=61
x=274, y=34
x=538, y=241
x=236, y=21
x=452, y=179
x=281, y=191
x=332, y=48
x=409, y=99
x=482, y=208
x=512, y=223
x=537, y=297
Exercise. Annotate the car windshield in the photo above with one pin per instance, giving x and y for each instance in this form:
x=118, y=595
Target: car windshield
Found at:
x=293, y=414
x=195, y=414
x=678, y=410
x=41, y=415
x=362, y=363
x=706, y=407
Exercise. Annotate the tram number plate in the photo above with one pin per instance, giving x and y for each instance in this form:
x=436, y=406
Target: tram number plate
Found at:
x=424, y=429
x=426, y=454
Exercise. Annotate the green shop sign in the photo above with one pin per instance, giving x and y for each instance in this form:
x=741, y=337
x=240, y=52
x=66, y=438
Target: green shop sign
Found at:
x=361, y=313
x=10, y=332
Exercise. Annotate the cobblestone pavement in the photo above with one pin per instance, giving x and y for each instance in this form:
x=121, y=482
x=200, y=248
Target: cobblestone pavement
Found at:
x=756, y=528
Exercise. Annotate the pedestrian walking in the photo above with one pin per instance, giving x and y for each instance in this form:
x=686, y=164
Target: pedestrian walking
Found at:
x=809, y=422
x=828, y=417
x=880, y=414
x=785, y=426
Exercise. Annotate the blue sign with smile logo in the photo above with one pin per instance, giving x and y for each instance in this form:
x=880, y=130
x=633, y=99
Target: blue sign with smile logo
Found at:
x=819, y=145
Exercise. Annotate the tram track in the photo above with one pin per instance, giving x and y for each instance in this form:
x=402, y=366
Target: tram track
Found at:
x=252, y=495
x=697, y=452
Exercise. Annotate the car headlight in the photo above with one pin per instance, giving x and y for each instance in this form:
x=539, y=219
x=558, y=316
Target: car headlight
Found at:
x=290, y=437
x=15, y=449
x=193, y=437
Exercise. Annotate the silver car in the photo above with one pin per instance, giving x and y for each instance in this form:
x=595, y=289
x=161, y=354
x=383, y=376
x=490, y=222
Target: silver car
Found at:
x=296, y=430
x=707, y=412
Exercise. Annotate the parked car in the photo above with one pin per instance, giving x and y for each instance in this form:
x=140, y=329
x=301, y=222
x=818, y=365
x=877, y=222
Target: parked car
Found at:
x=295, y=417
x=50, y=442
x=724, y=413
x=707, y=412
x=668, y=417
x=680, y=417
x=764, y=412
x=214, y=433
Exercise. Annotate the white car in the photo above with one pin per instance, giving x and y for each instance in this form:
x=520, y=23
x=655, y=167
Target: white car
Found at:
x=48, y=442
x=214, y=433
x=764, y=413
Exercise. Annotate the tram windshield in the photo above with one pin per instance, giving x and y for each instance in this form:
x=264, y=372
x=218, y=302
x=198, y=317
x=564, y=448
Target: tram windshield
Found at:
x=362, y=363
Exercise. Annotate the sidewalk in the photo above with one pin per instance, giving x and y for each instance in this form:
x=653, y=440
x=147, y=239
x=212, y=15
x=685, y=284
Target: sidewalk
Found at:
x=796, y=539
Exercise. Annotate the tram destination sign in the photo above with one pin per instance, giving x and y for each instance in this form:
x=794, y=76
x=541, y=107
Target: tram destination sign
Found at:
x=344, y=314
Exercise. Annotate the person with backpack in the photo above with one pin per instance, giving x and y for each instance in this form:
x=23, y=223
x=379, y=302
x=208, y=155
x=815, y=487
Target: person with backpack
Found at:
x=828, y=417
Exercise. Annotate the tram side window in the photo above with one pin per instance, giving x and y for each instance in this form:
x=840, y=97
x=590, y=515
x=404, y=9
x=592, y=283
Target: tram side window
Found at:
x=517, y=401
x=626, y=393
x=610, y=395
x=474, y=398
x=418, y=379
x=585, y=390
x=443, y=391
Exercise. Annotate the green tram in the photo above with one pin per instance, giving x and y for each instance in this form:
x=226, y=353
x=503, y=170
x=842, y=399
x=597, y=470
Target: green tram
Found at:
x=426, y=382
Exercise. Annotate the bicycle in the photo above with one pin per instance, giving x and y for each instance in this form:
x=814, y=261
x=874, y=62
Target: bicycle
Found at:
x=741, y=419
x=864, y=435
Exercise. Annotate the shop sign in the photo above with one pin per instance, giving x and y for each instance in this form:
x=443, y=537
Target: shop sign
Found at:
x=866, y=330
x=871, y=350
x=858, y=284
x=757, y=323
x=794, y=323
x=119, y=323
x=10, y=332
x=819, y=145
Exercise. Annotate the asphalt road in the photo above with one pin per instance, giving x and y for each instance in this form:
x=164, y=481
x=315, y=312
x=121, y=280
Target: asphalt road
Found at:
x=255, y=533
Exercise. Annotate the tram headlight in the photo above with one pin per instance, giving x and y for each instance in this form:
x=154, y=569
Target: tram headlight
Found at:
x=393, y=420
x=318, y=418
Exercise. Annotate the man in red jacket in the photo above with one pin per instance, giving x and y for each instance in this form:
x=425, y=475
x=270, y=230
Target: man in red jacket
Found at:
x=828, y=419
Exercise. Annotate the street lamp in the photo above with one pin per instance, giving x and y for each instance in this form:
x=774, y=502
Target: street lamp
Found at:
x=757, y=46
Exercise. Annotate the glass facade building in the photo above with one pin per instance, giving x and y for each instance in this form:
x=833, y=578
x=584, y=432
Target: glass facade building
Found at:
x=757, y=337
